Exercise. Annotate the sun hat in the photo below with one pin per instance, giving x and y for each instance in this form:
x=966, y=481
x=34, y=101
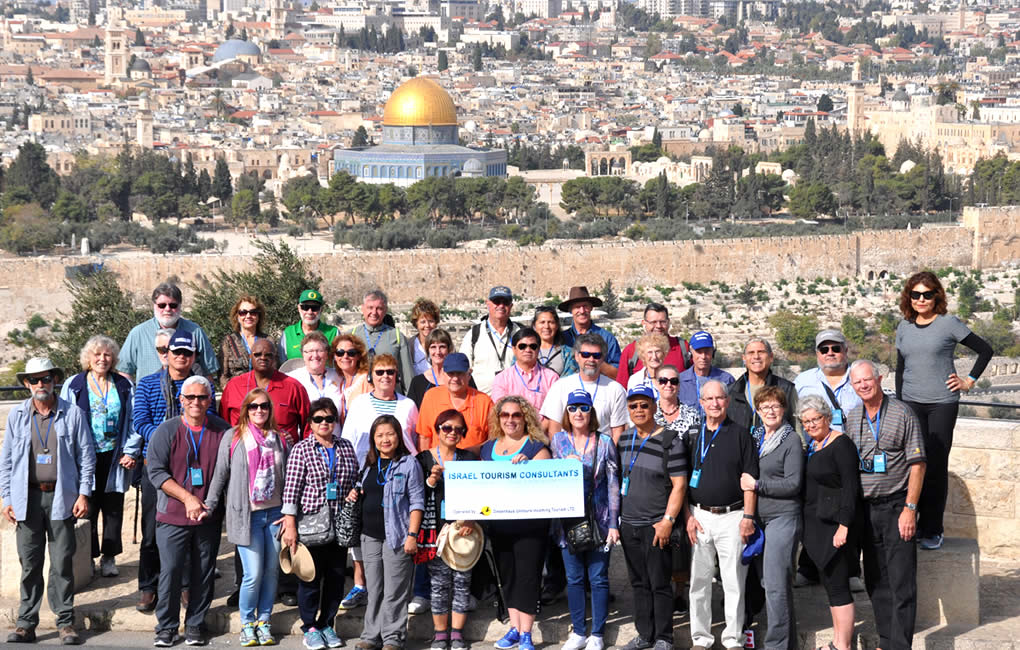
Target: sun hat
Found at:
x=460, y=552
x=35, y=365
x=576, y=295
x=300, y=563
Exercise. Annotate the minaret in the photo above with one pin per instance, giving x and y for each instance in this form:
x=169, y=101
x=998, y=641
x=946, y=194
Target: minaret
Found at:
x=854, y=112
x=116, y=55
x=963, y=17
x=143, y=123
x=277, y=20
x=856, y=75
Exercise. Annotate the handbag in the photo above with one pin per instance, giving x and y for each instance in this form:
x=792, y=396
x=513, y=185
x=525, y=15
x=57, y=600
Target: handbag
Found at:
x=348, y=523
x=316, y=529
x=582, y=533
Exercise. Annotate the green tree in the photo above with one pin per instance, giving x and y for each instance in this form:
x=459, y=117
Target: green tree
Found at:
x=69, y=207
x=222, y=187
x=795, y=334
x=303, y=197
x=31, y=172
x=656, y=137
x=29, y=77
x=810, y=199
x=825, y=103
x=442, y=62
x=139, y=38
x=26, y=228
x=204, y=185
x=854, y=329
x=998, y=333
x=360, y=137
x=610, y=301
x=476, y=59
x=244, y=207
x=967, y=301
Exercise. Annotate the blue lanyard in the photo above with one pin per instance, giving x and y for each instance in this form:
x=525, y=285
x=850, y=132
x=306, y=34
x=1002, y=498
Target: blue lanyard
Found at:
x=329, y=460
x=99, y=391
x=761, y=443
x=247, y=347
x=633, y=454
x=378, y=336
x=538, y=372
x=435, y=380
x=811, y=449
x=38, y=432
x=588, y=440
x=321, y=391
x=379, y=474
x=194, y=447
x=876, y=426
x=581, y=381
x=703, y=450
x=504, y=341
x=545, y=360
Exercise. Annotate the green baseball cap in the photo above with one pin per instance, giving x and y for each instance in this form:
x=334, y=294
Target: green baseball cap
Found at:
x=310, y=295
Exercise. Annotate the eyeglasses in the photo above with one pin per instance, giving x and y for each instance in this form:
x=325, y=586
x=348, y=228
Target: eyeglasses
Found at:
x=259, y=406
x=639, y=406
x=812, y=422
x=516, y=415
x=502, y=302
x=917, y=295
x=319, y=419
x=527, y=346
x=191, y=398
x=310, y=306
x=771, y=408
x=248, y=312
x=449, y=428
x=389, y=372
x=48, y=379
x=574, y=408
x=168, y=305
x=262, y=355
x=162, y=349
x=835, y=349
x=590, y=355
x=182, y=352
x=675, y=381
x=341, y=353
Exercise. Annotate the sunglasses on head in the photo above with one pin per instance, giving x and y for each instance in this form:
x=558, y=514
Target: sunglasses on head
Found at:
x=574, y=408
x=341, y=353
x=449, y=428
x=248, y=312
x=917, y=295
x=591, y=355
x=191, y=398
x=162, y=349
x=835, y=349
x=527, y=346
x=310, y=306
x=259, y=406
x=168, y=305
x=639, y=406
x=389, y=372
x=319, y=419
x=675, y=381
x=48, y=379
x=182, y=352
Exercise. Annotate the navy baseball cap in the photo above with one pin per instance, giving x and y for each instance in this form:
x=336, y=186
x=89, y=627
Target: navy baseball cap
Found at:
x=701, y=340
x=579, y=397
x=501, y=292
x=643, y=391
x=754, y=546
x=182, y=341
x=456, y=362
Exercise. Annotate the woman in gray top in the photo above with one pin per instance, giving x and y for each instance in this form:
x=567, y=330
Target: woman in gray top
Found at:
x=780, y=475
x=926, y=379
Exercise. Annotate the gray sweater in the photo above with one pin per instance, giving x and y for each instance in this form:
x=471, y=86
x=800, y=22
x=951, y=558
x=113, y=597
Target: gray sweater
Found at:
x=780, y=477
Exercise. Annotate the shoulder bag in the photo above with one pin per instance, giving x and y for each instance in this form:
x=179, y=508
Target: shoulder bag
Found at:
x=348, y=523
x=582, y=533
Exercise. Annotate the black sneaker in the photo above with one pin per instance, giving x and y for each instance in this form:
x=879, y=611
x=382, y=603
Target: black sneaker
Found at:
x=637, y=643
x=193, y=635
x=165, y=638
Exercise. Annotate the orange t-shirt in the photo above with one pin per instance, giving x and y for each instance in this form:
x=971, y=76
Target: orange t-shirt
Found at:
x=475, y=411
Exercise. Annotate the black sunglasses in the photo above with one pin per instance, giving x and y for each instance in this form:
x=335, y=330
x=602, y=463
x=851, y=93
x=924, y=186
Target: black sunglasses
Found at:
x=162, y=349
x=192, y=398
x=310, y=306
x=389, y=372
x=259, y=406
x=340, y=353
x=591, y=355
x=639, y=406
x=168, y=305
x=48, y=379
x=248, y=312
x=825, y=349
x=262, y=355
x=182, y=352
x=927, y=295
x=503, y=302
x=449, y=428
x=319, y=419
x=669, y=380
x=527, y=346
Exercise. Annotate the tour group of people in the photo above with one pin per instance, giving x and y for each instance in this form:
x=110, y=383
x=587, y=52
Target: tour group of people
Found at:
x=327, y=442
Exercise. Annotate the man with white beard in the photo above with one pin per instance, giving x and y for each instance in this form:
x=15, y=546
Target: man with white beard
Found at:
x=138, y=358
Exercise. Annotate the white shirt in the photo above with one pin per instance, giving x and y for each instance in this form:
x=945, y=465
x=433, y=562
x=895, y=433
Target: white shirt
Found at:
x=361, y=414
x=485, y=358
x=329, y=388
x=608, y=395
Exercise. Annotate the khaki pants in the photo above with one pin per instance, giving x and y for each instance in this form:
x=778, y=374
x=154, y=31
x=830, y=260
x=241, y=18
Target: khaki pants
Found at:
x=32, y=536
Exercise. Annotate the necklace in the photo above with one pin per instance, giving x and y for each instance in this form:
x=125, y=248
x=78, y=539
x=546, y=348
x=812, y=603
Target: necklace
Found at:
x=669, y=413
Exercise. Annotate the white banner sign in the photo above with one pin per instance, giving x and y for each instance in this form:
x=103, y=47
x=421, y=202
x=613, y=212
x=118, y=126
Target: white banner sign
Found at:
x=537, y=489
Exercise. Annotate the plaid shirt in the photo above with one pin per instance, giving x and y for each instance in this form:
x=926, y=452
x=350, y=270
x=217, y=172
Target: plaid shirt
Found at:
x=308, y=473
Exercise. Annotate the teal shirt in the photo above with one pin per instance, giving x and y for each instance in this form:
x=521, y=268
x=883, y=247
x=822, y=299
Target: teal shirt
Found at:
x=101, y=411
x=138, y=356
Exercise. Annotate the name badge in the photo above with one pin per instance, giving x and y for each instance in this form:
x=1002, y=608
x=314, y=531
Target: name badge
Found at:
x=625, y=487
x=837, y=417
x=442, y=509
x=331, y=491
x=196, y=476
x=879, y=462
x=695, y=478
x=44, y=459
x=110, y=428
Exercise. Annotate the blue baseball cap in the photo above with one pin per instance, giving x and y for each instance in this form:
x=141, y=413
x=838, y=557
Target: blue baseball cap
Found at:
x=701, y=340
x=579, y=397
x=182, y=341
x=500, y=292
x=456, y=362
x=643, y=391
x=754, y=546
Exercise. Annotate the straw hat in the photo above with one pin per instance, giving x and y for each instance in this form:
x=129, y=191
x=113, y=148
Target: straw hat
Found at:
x=460, y=552
x=300, y=563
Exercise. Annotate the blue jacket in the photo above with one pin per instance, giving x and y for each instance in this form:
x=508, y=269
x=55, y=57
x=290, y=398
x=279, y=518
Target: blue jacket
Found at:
x=76, y=458
x=403, y=492
x=689, y=391
x=129, y=442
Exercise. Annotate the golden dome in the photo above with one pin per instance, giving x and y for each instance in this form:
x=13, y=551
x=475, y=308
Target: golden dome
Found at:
x=420, y=102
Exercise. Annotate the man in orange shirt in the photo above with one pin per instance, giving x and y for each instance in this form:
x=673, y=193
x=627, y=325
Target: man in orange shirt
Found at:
x=473, y=404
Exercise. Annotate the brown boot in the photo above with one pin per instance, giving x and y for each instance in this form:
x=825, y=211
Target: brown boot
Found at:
x=68, y=636
x=22, y=635
x=147, y=602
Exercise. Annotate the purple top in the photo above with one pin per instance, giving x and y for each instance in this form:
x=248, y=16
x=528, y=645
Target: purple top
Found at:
x=606, y=476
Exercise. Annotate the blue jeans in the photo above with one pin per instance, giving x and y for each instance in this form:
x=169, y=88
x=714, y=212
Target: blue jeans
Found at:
x=260, y=562
x=596, y=563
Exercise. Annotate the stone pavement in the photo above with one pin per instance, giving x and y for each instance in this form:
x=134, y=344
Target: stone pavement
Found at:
x=107, y=604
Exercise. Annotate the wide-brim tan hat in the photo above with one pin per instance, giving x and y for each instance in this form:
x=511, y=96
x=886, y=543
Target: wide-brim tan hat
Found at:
x=300, y=563
x=576, y=295
x=460, y=552
x=35, y=365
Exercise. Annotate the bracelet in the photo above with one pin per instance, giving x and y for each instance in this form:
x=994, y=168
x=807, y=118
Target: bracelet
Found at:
x=410, y=534
x=751, y=517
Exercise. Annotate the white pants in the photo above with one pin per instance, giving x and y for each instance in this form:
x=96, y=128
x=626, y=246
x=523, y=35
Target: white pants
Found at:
x=721, y=537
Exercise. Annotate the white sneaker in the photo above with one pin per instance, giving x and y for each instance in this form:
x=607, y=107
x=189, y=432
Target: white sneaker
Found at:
x=594, y=643
x=418, y=605
x=574, y=642
x=108, y=567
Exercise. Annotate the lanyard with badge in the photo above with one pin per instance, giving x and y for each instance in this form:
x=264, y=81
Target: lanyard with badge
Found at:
x=247, y=347
x=195, y=472
x=537, y=371
x=45, y=458
x=329, y=460
x=378, y=337
x=581, y=381
x=837, y=412
x=703, y=451
x=109, y=419
x=625, y=485
x=877, y=464
x=500, y=355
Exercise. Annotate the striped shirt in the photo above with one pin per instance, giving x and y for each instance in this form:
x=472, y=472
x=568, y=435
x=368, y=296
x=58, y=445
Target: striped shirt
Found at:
x=899, y=437
x=150, y=408
x=383, y=406
x=641, y=466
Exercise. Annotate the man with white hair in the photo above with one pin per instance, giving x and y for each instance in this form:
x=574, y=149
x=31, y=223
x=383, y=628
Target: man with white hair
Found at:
x=381, y=337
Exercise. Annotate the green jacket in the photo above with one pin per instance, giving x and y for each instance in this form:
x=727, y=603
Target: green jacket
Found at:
x=290, y=342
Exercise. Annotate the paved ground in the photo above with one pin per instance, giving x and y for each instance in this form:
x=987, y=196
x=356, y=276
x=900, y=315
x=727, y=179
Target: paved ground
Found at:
x=106, y=612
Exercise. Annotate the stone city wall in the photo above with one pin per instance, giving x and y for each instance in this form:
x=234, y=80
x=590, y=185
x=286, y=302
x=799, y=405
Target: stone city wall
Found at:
x=36, y=284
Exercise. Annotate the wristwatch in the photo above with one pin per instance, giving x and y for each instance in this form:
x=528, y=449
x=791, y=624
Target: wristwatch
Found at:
x=911, y=506
x=670, y=517
x=751, y=517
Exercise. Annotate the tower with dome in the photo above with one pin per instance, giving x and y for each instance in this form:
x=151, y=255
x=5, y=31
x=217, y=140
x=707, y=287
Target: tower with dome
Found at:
x=420, y=139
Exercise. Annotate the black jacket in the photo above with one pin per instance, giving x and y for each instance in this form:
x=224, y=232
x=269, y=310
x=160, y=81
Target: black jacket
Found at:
x=743, y=413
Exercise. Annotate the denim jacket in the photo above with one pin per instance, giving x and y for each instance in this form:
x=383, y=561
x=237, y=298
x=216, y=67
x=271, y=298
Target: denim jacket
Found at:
x=403, y=492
